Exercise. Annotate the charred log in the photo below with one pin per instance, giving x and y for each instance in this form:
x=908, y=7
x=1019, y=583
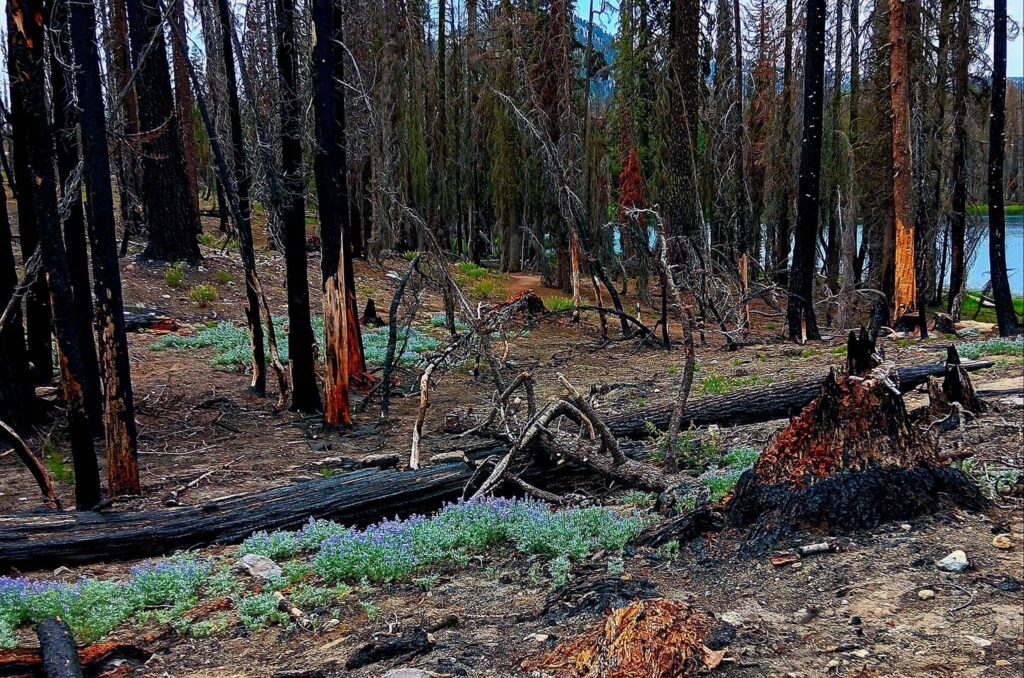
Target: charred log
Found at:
x=57, y=647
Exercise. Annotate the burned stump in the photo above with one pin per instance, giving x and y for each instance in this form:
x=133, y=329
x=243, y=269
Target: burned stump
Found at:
x=646, y=639
x=851, y=460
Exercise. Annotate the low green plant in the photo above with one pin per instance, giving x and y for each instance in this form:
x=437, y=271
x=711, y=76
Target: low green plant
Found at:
x=838, y=350
x=207, y=239
x=558, y=303
x=467, y=270
x=174, y=275
x=371, y=610
x=426, y=583
x=1000, y=346
x=669, y=550
x=410, y=255
x=487, y=288
x=203, y=294
x=258, y=610
x=740, y=458
x=58, y=468
x=223, y=277
x=559, y=569
x=213, y=626
x=309, y=597
x=717, y=384
x=639, y=498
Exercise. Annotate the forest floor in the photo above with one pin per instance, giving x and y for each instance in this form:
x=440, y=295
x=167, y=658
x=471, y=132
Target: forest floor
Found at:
x=855, y=612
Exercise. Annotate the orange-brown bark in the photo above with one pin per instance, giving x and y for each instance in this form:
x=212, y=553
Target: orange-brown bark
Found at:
x=905, y=287
x=336, y=352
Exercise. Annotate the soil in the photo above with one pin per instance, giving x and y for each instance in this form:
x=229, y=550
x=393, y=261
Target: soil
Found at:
x=855, y=612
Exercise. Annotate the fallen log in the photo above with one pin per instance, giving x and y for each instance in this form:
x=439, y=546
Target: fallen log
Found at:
x=30, y=660
x=57, y=647
x=757, y=404
x=40, y=540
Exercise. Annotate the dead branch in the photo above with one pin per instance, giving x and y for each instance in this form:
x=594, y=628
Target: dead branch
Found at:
x=35, y=467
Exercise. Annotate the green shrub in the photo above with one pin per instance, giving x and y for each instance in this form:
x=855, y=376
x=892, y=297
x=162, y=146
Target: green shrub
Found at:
x=223, y=277
x=717, y=384
x=467, y=270
x=487, y=288
x=174, y=275
x=556, y=304
x=207, y=239
x=740, y=458
x=203, y=294
x=1001, y=346
x=259, y=610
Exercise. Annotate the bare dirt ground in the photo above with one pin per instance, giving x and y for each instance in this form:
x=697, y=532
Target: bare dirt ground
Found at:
x=852, y=613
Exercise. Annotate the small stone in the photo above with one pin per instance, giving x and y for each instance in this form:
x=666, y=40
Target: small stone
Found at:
x=732, y=617
x=926, y=594
x=409, y=673
x=905, y=527
x=832, y=664
x=954, y=562
x=259, y=566
x=1002, y=662
x=860, y=654
x=330, y=625
x=1002, y=541
x=538, y=637
x=980, y=642
x=804, y=615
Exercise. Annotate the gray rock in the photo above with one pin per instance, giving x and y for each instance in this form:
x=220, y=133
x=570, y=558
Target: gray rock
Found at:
x=409, y=673
x=954, y=562
x=968, y=333
x=258, y=566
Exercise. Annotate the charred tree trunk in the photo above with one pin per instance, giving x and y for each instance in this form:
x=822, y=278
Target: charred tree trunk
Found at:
x=37, y=300
x=26, y=39
x=119, y=405
x=800, y=310
x=905, y=288
x=58, y=649
x=171, y=216
x=65, y=123
x=258, y=383
x=301, y=342
x=784, y=206
x=15, y=385
x=958, y=196
x=1006, y=316
x=125, y=97
x=184, y=106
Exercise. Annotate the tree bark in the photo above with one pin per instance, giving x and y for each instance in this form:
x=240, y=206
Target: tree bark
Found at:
x=301, y=342
x=171, y=216
x=15, y=385
x=1006, y=316
x=26, y=25
x=958, y=170
x=904, y=298
x=800, y=311
x=784, y=206
x=119, y=407
x=184, y=106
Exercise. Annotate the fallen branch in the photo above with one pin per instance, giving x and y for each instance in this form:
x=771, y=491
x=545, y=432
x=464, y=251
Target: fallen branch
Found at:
x=35, y=467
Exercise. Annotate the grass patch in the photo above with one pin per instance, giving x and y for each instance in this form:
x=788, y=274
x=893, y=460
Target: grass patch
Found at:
x=230, y=343
x=223, y=277
x=1000, y=346
x=203, y=294
x=717, y=384
x=439, y=320
x=58, y=469
x=969, y=307
x=556, y=304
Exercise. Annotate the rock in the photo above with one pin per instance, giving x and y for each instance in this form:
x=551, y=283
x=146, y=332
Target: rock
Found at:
x=1002, y=541
x=926, y=594
x=980, y=642
x=954, y=562
x=537, y=637
x=330, y=625
x=860, y=654
x=1002, y=662
x=732, y=617
x=410, y=673
x=804, y=615
x=258, y=566
x=968, y=333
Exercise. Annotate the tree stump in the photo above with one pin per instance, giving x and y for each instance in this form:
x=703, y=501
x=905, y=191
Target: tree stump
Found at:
x=851, y=460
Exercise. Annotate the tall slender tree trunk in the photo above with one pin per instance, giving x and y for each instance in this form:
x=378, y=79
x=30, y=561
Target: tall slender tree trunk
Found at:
x=848, y=258
x=332, y=209
x=184, y=106
x=958, y=168
x=258, y=384
x=119, y=406
x=784, y=209
x=301, y=342
x=26, y=26
x=833, y=247
x=682, y=210
x=37, y=300
x=743, y=230
x=15, y=386
x=904, y=298
x=1006, y=317
x=800, y=310
x=124, y=97
x=171, y=216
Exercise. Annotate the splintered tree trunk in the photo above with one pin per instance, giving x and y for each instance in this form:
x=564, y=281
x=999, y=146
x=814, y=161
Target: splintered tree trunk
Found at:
x=119, y=406
x=37, y=303
x=171, y=216
x=800, y=309
x=65, y=123
x=333, y=208
x=301, y=343
x=1006, y=316
x=905, y=287
x=15, y=385
x=258, y=384
x=852, y=459
x=26, y=38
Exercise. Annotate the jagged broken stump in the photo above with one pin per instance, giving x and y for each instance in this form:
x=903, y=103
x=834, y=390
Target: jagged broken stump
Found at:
x=851, y=460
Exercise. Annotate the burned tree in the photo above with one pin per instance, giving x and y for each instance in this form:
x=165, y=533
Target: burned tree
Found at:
x=15, y=385
x=905, y=286
x=171, y=216
x=119, y=406
x=301, y=343
x=26, y=26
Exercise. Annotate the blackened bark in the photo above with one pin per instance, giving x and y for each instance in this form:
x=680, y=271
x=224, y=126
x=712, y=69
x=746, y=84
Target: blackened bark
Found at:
x=958, y=197
x=784, y=208
x=26, y=24
x=37, y=300
x=15, y=385
x=184, y=106
x=171, y=216
x=258, y=383
x=800, y=310
x=329, y=159
x=1006, y=317
x=301, y=342
x=118, y=400
x=65, y=123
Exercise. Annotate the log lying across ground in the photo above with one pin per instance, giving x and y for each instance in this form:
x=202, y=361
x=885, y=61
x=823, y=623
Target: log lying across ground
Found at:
x=38, y=540
x=757, y=404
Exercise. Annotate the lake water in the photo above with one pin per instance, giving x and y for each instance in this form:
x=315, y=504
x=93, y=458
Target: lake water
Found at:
x=979, y=273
